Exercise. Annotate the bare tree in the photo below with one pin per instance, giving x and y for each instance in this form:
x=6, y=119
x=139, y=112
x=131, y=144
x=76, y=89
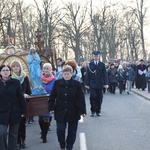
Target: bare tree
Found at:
x=73, y=26
x=49, y=18
x=133, y=35
x=21, y=17
x=140, y=12
x=6, y=11
x=104, y=29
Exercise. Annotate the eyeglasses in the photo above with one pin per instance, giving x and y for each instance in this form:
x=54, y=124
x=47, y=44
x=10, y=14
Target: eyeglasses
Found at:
x=5, y=70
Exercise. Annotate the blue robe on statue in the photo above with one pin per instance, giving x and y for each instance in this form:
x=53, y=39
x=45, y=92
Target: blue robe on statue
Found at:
x=35, y=74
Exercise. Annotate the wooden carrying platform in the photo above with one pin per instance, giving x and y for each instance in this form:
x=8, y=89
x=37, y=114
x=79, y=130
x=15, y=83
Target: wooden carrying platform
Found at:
x=37, y=105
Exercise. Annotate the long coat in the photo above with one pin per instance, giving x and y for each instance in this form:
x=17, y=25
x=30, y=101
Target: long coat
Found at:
x=26, y=86
x=141, y=79
x=12, y=103
x=96, y=75
x=67, y=100
x=112, y=73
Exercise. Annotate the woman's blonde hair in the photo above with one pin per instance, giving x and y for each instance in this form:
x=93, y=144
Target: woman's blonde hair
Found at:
x=67, y=68
x=16, y=62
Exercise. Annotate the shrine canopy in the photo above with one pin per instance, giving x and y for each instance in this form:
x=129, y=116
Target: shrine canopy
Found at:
x=11, y=53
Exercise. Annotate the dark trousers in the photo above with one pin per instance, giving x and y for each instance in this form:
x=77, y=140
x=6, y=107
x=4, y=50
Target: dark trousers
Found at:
x=71, y=137
x=12, y=136
x=96, y=98
x=112, y=87
x=124, y=85
x=133, y=83
x=121, y=88
x=22, y=130
x=148, y=83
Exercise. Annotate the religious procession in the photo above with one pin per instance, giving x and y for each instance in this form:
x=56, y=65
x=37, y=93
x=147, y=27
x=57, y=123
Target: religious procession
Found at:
x=71, y=85
x=59, y=93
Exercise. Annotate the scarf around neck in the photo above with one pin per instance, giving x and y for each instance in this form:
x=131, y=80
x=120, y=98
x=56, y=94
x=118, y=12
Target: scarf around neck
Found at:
x=48, y=79
x=20, y=78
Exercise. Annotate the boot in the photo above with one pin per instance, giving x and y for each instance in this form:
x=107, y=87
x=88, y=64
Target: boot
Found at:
x=45, y=130
x=18, y=146
x=23, y=144
x=41, y=124
x=19, y=142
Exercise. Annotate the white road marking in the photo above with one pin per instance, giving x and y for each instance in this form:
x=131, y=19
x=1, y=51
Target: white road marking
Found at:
x=83, y=142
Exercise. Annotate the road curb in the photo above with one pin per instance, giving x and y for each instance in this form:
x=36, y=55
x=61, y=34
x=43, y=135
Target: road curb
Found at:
x=145, y=97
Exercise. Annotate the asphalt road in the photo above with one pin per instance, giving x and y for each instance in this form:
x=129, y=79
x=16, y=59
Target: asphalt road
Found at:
x=124, y=125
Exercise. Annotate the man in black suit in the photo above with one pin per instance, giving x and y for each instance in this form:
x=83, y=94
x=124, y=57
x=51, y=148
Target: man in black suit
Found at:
x=95, y=80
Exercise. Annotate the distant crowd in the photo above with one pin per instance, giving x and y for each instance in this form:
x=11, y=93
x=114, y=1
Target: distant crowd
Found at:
x=124, y=75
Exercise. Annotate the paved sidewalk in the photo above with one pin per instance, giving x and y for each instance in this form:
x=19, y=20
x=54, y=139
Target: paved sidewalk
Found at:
x=141, y=93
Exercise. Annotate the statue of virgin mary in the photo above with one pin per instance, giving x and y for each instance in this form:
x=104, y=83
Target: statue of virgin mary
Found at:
x=35, y=73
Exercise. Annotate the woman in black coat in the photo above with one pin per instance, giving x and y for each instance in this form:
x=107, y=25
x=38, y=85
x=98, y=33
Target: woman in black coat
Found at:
x=18, y=73
x=12, y=106
x=67, y=102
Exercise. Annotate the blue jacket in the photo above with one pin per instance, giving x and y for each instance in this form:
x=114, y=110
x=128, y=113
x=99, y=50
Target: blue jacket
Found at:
x=147, y=76
x=48, y=87
x=129, y=74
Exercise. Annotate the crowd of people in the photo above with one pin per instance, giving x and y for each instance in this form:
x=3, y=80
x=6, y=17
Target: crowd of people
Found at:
x=128, y=75
x=66, y=87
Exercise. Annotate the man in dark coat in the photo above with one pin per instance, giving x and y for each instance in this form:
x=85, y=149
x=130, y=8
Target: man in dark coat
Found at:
x=95, y=80
x=141, y=79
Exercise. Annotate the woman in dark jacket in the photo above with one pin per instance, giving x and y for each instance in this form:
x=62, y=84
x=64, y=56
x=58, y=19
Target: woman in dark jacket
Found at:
x=112, y=73
x=67, y=102
x=120, y=78
x=12, y=107
x=18, y=73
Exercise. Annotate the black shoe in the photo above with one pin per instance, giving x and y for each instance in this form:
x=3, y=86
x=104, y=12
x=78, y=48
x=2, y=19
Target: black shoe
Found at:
x=18, y=146
x=127, y=92
x=41, y=135
x=44, y=140
x=98, y=114
x=23, y=145
x=92, y=114
x=29, y=122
